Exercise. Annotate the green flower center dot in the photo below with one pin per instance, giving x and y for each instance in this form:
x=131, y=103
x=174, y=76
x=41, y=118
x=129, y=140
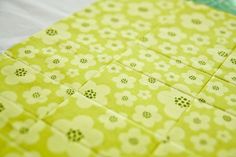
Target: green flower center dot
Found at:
x=23, y=130
x=233, y=78
x=182, y=101
x=202, y=62
x=51, y=32
x=2, y=108
x=114, y=20
x=202, y=100
x=85, y=24
x=197, y=120
x=144, y=39
x=233, y=60
x=133, y=141
x=68, y=47
x=196, y=21
x=111, y=5
x=74, y=135
x=125, y=98
x=178, y=61
x=113, y=119
x=27, y=51
x=233, y=99
x=147, y=114
x=222, y=53
x=203, y=142
x=53, y=77
x=83, y=60
x=215, y=87
x=148, y=55
x=227, y=118
x=167, y=48
x=192, y=77
x=90, y=94
x=133, y=64
x=70, y=91
x=142, y=9
x=56, y=61
x=20, y=72
x=124, y=80
x=172, y=34
x=36, y=95
x=152, y=80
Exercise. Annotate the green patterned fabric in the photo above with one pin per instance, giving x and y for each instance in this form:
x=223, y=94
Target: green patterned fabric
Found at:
x=123, y=78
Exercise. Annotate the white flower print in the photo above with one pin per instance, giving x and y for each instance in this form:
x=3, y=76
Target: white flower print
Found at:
x=69, y=47
x=125, y=98
x=89, y=11
x=9, y=95
x=36, y=95
x=219, y=53
x=95, y=92
x=148, y=55
x=54, y=33
x=85, y=25
x=134, y=63
x=167, y=48
x=144, y=10
x=72, y=72
x=112, y=121
x=166, y=19
x=231, y=99
x=115, y=20
x=134, y=141
x=28, y=51
x=151, y=81
x=96, y=48
x=202, y=62
x=225, y=119
x=47, y=110
x=223, y=32
x=114, y=45
x=56, y=61
x=107, y=33
x=216, y=15
x=124, y=81
x=111, y=6
x=192, y=77
x=104, y=58
x=197, y=121
x=83, y=61
x=113, y=68
x=67, y=89
x=144, y=94
x=148, y=40
x=200, y=39
x=203, y=99
x=147, y=115
x=141, y=25
x=224, y=136
x=48, y=50
x=170, y=76
x=129, y=34
x=86, y=39
x=190, y=49
x=231, y=76
x=174, y=102
x=172, y=34
x=196, y=21
x=230, y=24
x=203, y=142
x=27, y=132
x=216, y=87
x=18, y=73
x=53, y=76
x=80, y=130
x=162, y=65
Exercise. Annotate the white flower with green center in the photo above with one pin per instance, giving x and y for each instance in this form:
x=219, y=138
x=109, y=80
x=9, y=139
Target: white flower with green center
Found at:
x=69, y=47
x=225, y=119
x=134, y=63
x=190, y=49
x=114, y=20
x=83, y=61
x=111, y=6
x=203, y=142
x=217, y=88
x=196, y=21
x=147, y=115
x=144, y=94
x=79, y=130
x=85, y=25
x=56, y=61
x=231, y=76
x=174, y=102
x=166, y=19
x=124, y=81
x=172, y=34
x=27, y=51
x=18, y=73
x=202, y=62
x=49, y=50
x=148, y=40
x=148, y=55
x=68, y=89
x=141, y=25
x=104, y=58
x=192, y=77
x=129, y=34
x=223, y=32
x=99, y=48
x=170, y=76
x=27, y=131
x=134, y=141
x=144, y=10
x=97, y=92
x=162, y=65
x=224, y=136
x=219, y=53
x=151, y=81
x=197, y=121
x=114, y=45
x=53, y=76
x=113, y=68
x=36, y=95
x=125, y=98
x=231, y=100
x=72, y=72
x=167, y=48
x=203, y=100
x=200, y=39
x=112, y=121
x=86, y=39
x=107, y=33
x=54, y=34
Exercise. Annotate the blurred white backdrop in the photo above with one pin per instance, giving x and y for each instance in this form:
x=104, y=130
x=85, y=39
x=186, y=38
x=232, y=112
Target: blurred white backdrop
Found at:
x=22, y=18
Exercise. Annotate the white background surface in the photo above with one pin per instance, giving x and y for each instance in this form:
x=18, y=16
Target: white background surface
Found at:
x=22, y=18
